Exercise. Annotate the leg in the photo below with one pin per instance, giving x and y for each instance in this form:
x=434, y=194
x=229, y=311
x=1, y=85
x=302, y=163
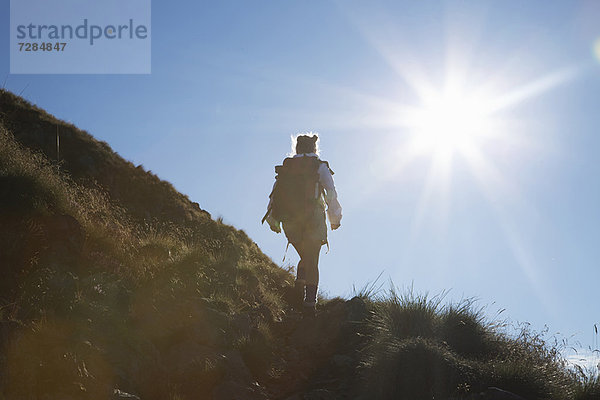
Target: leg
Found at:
x=300, y=284
x=310, y=264
x=308, y=272
x=315, y=235
x=310, y=258
x=307, y=238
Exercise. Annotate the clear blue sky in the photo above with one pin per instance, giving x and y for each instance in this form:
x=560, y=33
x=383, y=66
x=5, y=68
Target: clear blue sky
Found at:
x=515, y=224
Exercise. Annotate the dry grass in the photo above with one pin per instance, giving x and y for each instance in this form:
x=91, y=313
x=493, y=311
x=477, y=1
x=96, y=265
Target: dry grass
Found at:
x=420, y=348
x=103, y=312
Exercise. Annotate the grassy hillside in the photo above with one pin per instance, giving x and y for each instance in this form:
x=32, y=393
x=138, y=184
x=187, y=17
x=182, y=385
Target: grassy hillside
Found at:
x=94, y=297
x=113, y=284
x=90, y=162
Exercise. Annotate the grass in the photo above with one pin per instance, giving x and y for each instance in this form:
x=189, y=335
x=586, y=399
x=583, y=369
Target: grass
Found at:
x=93, y=163
x=126, y=284
x=422, y=348
x=103, y=312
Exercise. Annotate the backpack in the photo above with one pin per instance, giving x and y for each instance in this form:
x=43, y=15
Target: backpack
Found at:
x=297, y=191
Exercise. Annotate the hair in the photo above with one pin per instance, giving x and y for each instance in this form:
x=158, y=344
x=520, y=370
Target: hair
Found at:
x=305, y=143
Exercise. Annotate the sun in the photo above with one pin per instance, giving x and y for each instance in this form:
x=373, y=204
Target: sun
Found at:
x=451, y=122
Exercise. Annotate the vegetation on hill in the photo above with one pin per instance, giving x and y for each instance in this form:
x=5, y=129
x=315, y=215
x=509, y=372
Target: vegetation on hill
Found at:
x=92, y=162
x=115, y=286
x=94, y=298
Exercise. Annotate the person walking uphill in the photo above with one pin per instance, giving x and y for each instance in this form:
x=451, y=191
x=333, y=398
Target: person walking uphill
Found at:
x=303, y=187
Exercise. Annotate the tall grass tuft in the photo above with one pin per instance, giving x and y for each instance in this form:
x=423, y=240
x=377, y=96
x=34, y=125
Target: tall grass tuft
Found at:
x=422, y=349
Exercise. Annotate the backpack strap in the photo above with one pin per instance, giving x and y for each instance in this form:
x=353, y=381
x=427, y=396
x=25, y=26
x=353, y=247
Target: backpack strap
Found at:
x=285, y=253
x=262, y=221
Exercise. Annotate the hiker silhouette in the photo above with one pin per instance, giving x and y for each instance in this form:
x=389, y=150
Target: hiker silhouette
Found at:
x=303, y=187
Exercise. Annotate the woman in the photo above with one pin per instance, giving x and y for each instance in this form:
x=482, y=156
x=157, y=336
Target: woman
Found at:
x=303, y=187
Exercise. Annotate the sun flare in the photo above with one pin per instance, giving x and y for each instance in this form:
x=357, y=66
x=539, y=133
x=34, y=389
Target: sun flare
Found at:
x=450, y=122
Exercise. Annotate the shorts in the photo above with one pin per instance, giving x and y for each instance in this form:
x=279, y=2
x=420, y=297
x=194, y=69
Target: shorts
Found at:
x=313, y=228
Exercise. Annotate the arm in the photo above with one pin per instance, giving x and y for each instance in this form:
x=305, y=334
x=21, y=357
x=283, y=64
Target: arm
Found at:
x=334, y=209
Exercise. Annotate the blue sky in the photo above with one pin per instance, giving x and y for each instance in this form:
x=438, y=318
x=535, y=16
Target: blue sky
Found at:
x=513, y=221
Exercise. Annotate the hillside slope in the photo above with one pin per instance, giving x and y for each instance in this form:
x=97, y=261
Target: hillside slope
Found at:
x=90, y=161
x=108, y=271
x=109, y=292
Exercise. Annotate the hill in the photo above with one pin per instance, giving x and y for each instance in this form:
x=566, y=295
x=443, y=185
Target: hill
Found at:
x=117, y=286
x=89, y=161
